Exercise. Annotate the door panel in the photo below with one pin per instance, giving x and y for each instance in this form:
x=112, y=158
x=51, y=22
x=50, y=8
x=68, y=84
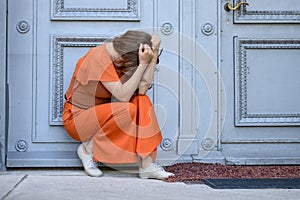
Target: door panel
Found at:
x=42, y=54
x=260, y=68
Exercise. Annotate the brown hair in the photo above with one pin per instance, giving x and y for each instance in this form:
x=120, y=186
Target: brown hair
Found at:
x=127, y=46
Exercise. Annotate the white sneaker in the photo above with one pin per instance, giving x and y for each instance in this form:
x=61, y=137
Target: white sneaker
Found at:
x=154, y=171
x=88, y=163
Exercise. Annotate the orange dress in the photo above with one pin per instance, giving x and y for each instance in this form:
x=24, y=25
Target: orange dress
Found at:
x=120, y=130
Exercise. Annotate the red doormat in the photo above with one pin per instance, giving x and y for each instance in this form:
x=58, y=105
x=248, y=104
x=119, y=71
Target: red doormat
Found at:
x=196, y=172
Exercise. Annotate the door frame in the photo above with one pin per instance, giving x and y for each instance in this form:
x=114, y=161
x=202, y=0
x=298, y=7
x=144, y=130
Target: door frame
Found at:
x=3, y=114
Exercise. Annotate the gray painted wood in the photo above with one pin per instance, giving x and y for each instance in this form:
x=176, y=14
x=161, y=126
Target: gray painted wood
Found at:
x=226, y=89
x=2, y=83
x=41, y=61
x=260, y=69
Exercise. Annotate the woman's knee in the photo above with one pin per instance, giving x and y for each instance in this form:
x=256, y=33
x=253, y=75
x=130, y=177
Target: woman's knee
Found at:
x=132, y=109
x=141, y=100
x=124, y=109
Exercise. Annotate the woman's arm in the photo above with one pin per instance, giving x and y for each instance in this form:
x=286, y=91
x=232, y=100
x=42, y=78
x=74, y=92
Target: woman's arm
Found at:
x=148, y=75
x=123, y=92
x=147, y=78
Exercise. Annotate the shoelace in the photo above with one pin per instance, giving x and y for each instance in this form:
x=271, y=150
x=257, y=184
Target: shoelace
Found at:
x=160, y=168
x=92, y=163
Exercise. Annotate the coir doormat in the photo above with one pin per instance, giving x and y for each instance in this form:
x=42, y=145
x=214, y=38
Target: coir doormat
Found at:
x=253, y=183
x=194, y=172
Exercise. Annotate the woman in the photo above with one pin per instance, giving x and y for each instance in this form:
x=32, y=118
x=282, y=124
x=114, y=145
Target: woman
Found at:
x=106, y=107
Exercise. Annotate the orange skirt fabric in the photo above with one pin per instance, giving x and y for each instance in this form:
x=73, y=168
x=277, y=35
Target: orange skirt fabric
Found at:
x=120, y=130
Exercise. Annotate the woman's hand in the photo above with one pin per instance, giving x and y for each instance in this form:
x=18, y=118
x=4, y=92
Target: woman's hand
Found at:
x=155, y=47
x=145, y=54
x=155, y=43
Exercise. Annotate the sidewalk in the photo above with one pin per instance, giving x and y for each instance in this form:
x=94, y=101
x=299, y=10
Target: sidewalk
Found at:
x=75, y=184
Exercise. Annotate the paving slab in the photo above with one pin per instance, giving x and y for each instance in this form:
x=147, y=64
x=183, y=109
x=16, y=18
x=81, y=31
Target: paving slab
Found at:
x=8, y=182
x=44, y=185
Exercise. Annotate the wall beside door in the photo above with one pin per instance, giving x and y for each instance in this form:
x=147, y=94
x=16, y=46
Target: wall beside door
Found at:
x=2, y=82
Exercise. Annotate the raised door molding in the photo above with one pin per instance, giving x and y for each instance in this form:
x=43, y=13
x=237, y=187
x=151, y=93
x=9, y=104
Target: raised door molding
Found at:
x=274, y=15
x=59, y=43
x=128, y=10
x=242, y=72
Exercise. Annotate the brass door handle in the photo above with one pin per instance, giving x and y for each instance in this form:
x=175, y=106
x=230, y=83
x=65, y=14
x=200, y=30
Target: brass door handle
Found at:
x=228, y=6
